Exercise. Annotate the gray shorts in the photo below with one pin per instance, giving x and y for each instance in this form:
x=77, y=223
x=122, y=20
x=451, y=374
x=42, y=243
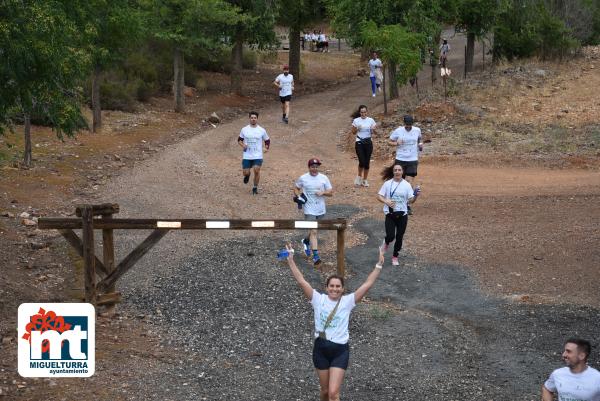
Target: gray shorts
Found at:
x=312, y=217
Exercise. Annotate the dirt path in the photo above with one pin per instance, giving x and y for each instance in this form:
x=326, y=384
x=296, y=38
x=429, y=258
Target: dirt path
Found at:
x=491, y=256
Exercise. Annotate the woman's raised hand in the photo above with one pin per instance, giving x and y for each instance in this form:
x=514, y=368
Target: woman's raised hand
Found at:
x=290, y=249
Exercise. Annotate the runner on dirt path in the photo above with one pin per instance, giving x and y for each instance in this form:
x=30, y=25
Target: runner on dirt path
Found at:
x=251, y=140
x=577, y=380
x=395, y=194
x=285, y=83
x=315, y=186
x=375, y=66
x=444, y=50
x=363, y=127
x=331, y=352
x=408, y=143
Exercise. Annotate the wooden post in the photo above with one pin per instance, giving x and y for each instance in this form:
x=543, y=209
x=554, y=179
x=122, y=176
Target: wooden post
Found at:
x=465, y=76
x=483, y=54
x=339, y=45
x=89, y=257
x=341, y=245
x=108, y=253
x=385, y=110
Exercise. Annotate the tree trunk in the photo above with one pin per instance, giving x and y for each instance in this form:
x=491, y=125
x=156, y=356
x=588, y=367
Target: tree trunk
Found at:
x=27, y=131
x=236, y=62
x=294, y=57
x=393, y=81
x=96, y=109
x=470, y=52
x=178, y=81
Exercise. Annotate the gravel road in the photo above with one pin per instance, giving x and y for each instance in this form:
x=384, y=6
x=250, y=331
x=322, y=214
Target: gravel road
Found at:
x=426, y=332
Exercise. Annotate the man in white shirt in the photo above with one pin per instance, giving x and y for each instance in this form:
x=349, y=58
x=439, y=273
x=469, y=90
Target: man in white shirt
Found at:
x=251, y=140
x=577, y=381
x=285, y=83
x=315, y=186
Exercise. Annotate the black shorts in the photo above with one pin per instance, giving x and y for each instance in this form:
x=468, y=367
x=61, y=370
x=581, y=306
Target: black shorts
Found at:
x=410, y=168
x=364, y=150
x=327, y=354
x=285, y=98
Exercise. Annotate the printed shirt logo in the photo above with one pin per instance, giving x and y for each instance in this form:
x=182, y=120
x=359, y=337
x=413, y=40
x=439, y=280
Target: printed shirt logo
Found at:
x=56, y=340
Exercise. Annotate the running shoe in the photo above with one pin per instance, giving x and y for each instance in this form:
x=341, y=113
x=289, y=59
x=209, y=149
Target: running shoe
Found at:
x=285, y=120
x=254, y=191
x=306, y=247
x=395, y=261
x=384, y=246
x=374, y=95
x=317, y=261
x=246, y=179
x=365, y=183
x=357, y=181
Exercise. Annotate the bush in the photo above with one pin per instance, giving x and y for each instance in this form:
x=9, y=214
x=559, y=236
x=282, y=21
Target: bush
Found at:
x=116, y=96
x=249, y=59
x=269, y=56
x=529, y=29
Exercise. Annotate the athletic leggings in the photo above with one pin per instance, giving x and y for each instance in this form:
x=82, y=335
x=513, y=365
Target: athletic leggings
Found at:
x=374, y=84
x=395, y=226
x=363, y=152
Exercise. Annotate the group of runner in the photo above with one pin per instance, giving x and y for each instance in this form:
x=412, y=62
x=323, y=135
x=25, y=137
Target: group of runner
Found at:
x=331, y=351
x=317, y=41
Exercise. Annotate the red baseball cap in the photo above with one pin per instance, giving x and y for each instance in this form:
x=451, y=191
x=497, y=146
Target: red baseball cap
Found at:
x=314, y=160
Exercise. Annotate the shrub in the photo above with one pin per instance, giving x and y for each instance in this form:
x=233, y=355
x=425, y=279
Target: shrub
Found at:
x=249, y=59
x=116, y=96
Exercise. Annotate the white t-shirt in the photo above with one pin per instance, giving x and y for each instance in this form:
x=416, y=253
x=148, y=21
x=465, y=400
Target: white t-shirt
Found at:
x=310, y=185
x=399, y=192
x=584, y=386
x=337, y=331
x=285, y=84
x=364, y=125
x=409, y=149
x=373, y=64
x=253, y=137
x=444, y=49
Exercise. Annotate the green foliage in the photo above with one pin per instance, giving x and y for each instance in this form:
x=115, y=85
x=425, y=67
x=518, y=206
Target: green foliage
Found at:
x=42, y=59
x=525, y=28
x=256, y=22
x=299, y=14
x=186, y=24
x=397, y=46
x=476, y=16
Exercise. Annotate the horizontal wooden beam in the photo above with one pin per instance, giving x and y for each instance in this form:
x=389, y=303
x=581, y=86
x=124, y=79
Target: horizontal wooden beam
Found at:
x=98, y=210
x=191, y=224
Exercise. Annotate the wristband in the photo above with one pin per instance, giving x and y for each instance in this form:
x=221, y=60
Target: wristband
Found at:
x=378, y=266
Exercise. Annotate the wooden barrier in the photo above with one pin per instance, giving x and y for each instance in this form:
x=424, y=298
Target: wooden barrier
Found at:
x=92, y=217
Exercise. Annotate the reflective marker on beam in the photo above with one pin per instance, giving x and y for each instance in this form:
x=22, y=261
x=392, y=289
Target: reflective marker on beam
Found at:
x=168, y=224
x=306, y=224
x=217, y=224
x=263, y=224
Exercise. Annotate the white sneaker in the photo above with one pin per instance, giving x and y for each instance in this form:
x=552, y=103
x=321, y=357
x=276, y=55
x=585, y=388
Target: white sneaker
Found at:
x=357, y=181
x=373, y=95
x=365, y=183
x=395, y=261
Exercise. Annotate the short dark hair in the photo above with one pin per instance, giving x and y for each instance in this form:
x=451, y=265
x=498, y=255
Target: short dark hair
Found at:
x=253, y=113
x=582, y=345
x=335, y=276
